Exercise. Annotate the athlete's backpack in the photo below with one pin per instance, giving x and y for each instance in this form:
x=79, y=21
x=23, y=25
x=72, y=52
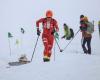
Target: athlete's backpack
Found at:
x=90, y=27
x=72, y=32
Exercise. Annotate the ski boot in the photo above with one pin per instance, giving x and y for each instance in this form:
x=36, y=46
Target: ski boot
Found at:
x=46, y=59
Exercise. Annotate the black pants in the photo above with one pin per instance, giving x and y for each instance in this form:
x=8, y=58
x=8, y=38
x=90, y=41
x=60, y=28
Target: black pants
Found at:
x=88, y=48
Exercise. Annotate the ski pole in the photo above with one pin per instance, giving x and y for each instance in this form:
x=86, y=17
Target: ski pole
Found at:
x=34, y=48
x=22, y=37
x=71, y=40
x=9, y=46
x=58, y=45
x=9, y=36
x=54, y=51
x=82, y=40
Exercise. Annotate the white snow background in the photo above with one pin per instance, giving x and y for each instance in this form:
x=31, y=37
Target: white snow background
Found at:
x=71, y=64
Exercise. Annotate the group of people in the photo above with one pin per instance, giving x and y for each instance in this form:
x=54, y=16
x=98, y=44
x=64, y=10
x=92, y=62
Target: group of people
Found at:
x=50, y=26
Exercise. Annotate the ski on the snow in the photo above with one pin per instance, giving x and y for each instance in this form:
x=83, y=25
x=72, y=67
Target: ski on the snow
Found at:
x=17, y=63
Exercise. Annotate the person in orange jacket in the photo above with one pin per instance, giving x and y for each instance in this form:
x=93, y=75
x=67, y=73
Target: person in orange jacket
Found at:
x=50, y=26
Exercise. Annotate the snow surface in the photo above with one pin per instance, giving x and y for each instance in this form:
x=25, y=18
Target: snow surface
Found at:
x=72, y=64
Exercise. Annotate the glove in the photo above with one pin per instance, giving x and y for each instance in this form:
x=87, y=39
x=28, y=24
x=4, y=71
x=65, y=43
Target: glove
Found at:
x=81, y=28
x=53, y=32
x=38, y=32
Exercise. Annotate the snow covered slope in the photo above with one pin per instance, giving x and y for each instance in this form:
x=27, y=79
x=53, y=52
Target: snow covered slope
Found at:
x=66, y=66
x=71, y=64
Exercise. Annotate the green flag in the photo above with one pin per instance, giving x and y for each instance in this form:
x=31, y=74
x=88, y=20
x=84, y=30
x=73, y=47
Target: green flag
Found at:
x=9, y=35
x=22, y=31
x=17, y=41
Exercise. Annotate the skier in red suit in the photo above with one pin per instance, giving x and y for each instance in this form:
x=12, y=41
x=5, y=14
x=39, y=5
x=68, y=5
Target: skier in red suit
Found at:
x=50, y=26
